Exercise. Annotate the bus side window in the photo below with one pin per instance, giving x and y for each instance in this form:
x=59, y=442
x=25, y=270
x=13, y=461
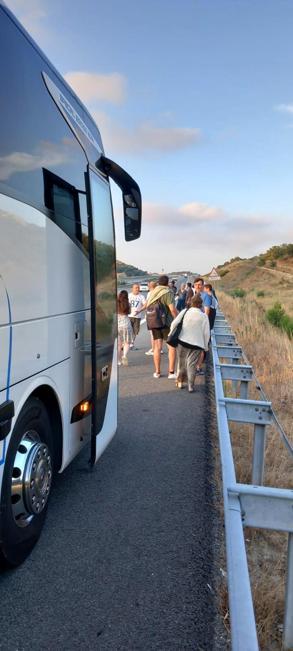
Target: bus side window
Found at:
x=64, y=203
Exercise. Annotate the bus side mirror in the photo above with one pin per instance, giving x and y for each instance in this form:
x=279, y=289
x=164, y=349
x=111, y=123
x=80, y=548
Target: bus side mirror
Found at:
x=131, y=196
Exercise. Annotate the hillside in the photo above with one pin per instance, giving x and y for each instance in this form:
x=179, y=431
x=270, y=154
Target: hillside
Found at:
x=129, y=270
x=266, y=278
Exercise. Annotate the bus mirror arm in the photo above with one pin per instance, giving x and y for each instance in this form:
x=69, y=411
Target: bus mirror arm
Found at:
x=131, y=196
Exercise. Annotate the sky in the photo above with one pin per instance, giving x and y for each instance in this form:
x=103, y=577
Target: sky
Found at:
x=194, y=98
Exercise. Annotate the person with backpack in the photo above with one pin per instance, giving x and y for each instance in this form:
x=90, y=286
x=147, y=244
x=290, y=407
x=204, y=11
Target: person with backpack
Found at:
x=160, y=312
x=151, y=285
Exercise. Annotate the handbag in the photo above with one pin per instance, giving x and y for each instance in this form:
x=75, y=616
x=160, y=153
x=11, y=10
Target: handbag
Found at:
x=173, y=337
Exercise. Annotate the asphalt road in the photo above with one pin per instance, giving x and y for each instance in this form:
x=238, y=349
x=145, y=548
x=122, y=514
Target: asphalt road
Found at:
x=126, y=558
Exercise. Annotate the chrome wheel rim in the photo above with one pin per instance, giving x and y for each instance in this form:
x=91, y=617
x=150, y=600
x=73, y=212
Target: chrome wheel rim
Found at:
x=31, y=479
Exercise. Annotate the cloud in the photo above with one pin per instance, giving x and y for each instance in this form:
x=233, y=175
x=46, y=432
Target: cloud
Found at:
x=148, y=136
x=160, y=215
x=31, y=14
x=48, y=154
x=144, y=137
x=201, y=212
x=201, y=224
x=285, y=108
x=93, y=87
x=188, y=216
x=199, y=236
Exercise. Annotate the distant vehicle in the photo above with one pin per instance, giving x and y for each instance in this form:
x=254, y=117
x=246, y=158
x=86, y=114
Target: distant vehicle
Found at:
x=144, y=287
x=58, y=291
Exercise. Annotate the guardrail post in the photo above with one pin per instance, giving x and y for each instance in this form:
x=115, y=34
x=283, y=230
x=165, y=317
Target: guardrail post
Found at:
x=243, y=390
x=288, y=619
x=234, y=382
x=258, y=454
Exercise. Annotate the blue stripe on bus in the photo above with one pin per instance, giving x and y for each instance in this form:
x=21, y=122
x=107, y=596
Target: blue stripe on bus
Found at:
x=8, y=368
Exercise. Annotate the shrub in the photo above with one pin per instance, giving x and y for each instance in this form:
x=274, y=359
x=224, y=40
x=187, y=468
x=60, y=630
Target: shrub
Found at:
x=223, y=272
x=274, y=253
x=277, y=316
x=260, y=294
x=238, y=293
x=287, y=325
x=236, y=259
x=281, y=251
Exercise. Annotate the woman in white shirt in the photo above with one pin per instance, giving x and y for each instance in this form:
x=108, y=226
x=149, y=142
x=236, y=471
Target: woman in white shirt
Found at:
x=194, y=338
x=137, y=304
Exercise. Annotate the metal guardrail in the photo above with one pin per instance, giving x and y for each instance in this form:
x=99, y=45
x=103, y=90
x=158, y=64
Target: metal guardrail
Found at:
x=253, y=504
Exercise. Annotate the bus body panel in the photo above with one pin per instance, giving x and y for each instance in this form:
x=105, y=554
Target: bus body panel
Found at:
x=42, y=270
x=50, y=274
x=4, y=315
x=75, y=435
x=58, y=291
x=47, y=281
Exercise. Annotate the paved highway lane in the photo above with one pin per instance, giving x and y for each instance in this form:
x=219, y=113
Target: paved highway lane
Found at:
x=126, y=557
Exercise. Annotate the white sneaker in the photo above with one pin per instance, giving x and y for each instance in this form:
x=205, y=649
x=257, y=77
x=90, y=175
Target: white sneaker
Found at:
x=149, y=352
x=119, y=363
x=172, y=376
x=156, y=375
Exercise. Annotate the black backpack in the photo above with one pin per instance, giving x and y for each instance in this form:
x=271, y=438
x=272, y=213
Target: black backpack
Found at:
x=156, y=316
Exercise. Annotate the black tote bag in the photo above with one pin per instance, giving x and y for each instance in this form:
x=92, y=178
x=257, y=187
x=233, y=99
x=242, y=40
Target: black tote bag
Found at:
x=173, y=337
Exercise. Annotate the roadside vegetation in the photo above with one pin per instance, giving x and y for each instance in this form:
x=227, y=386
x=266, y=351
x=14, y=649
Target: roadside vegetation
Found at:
x=238, y=293
x=276, y=253
x=270, y=351
x=266, y=279
x=129, y=270
x=278, y=317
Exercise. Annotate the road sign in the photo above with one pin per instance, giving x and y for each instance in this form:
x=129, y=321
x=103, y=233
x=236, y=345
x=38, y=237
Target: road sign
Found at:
x=214, y=275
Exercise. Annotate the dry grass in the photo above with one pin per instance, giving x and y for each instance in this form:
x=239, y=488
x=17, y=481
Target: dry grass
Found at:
x=273, y=283
x=271, y=354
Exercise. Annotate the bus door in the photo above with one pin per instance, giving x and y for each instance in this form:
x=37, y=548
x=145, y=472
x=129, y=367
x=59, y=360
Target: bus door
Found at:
x=103, y=314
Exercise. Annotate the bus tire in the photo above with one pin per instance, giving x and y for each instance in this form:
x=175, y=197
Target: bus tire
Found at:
x=26, y=485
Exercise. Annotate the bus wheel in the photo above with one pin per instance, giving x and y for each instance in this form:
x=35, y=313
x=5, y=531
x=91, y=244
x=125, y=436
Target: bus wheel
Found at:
x=26, y=483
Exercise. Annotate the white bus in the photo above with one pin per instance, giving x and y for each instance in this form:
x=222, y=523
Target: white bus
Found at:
x=58, y=333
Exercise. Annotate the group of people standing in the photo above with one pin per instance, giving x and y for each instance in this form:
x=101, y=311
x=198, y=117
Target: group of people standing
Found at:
x=194, y=306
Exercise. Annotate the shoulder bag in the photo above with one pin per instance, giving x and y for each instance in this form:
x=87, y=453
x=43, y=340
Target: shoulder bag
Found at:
x=173, y=337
